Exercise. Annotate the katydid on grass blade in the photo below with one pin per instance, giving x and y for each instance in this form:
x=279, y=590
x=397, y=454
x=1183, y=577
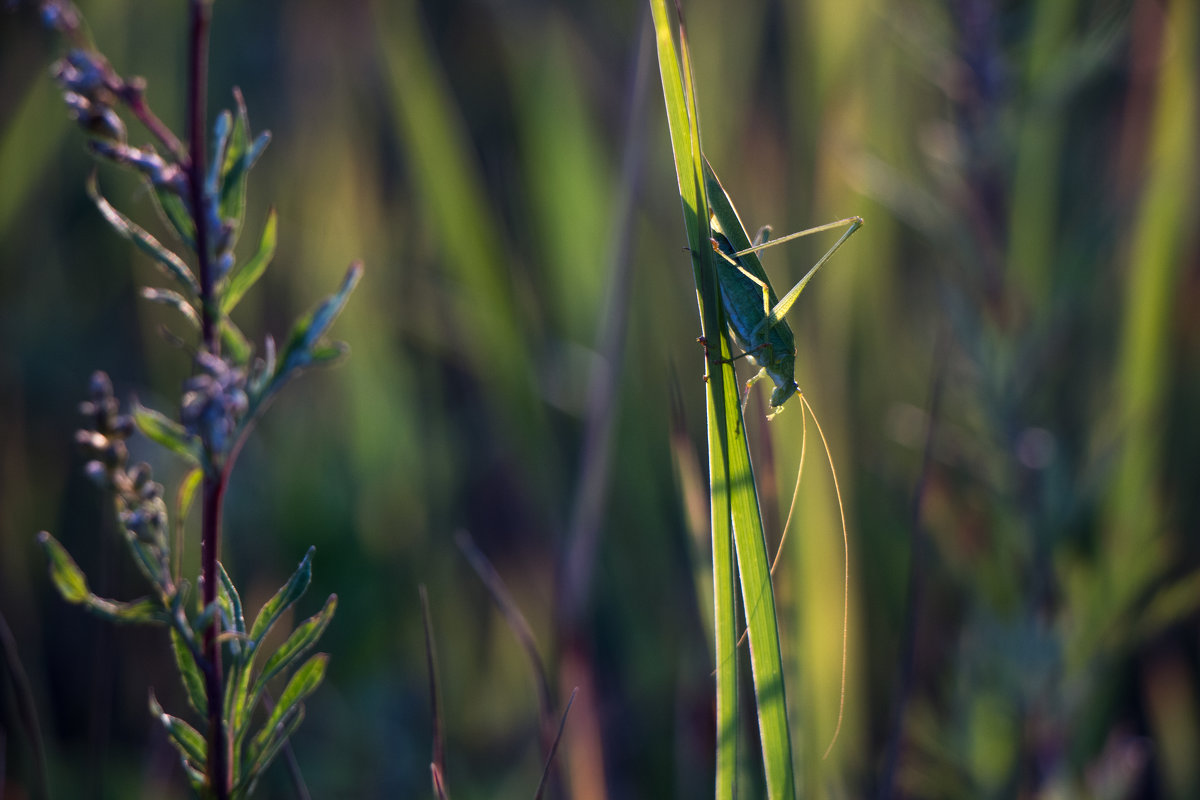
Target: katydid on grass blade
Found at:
x=753, y=313
x=755, y=318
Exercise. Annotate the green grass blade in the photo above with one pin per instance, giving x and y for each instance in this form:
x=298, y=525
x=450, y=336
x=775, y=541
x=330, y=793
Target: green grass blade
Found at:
x=734, y=496
x=684, y=144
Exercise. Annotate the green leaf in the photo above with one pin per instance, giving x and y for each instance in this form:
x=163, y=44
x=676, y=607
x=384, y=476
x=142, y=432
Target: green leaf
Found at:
x=262, y=373
x=71, y=583
x=238, y=706
x=275, y=729
x=146, y=610
x=232, y=174
x=312, y=326
x=234, y=341
x=300, y=642
x=187, y=740
x=328, y=354
x=184, y=498
x=222, y=128
x=244, y=277
x=168, y=433
x=261, y=757
x=68, y=578
x=171, y=208
x=283, y=599
x=148, y=557
x=239, y=160
x=189, y=672
x=233, y=601
x=171, y=264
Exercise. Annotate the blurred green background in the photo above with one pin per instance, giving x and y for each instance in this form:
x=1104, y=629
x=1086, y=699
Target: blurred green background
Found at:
x=1006, y=361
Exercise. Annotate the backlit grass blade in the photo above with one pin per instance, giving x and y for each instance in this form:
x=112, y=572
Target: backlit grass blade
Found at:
x=733, y=493
x=683, y=132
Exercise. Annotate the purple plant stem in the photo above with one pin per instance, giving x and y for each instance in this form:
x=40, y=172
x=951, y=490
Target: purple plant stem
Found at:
x=219, y=760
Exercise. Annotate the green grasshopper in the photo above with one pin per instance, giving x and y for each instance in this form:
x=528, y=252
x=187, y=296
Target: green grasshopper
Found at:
x=754, y=315
x=756, y=320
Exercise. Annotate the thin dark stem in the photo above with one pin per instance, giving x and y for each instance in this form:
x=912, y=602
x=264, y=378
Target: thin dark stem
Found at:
x=132, y=93
x=197, y=97
x=219, y=760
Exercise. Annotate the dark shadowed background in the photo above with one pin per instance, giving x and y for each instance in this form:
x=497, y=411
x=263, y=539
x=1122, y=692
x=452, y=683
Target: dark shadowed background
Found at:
x=1006, y=361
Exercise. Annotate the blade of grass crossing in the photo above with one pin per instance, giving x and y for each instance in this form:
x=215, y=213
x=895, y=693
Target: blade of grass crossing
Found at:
x=683, y=133
x=734, y=497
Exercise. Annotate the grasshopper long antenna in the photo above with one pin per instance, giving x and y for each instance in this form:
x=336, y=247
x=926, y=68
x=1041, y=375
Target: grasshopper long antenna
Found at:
x=845, y=580
x=846, y=560
x=795, y=492
x=791, y=508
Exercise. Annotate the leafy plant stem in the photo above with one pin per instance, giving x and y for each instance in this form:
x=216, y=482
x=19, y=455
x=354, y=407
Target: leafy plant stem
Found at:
x=219, y=760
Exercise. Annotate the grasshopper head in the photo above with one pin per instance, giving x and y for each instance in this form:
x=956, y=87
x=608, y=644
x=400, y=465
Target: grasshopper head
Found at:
x=782, y=392
x=781, y=371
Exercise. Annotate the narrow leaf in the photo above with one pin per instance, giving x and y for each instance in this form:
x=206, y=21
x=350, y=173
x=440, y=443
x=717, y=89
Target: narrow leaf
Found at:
x=233, y=601
x=183, y=505
x=222, y=128
x=261, y=756
x=168, y=433
x=238, y=706
x=235, y=343
x=145, y=611
x=300, y=642
x=170, y=263
x=187, y=740
x=176, y=301
x=68, y=578
x=302, y=684
x=148, y=557
x=244, y=277
x=239, y=160
x=189, y=673
x=328, y=354
x=288, y=594
x=173, y=210
x=312, y=326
